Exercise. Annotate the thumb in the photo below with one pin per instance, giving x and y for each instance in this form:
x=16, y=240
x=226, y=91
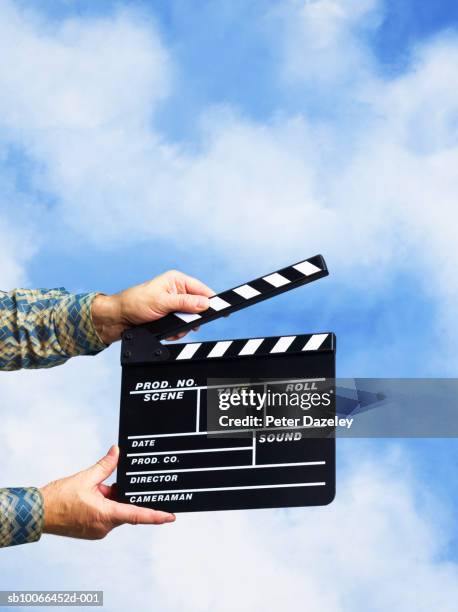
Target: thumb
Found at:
x=186, y=302
x=104, y=466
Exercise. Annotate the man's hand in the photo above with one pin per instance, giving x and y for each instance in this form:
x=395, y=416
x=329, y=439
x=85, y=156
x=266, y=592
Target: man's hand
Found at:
x=80, y=506
x=169, y=292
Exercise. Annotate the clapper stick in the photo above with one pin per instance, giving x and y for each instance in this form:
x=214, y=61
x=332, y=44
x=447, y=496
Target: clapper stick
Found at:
x=222, y=304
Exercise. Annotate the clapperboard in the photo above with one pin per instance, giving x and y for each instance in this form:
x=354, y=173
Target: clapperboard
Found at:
x=175, y=455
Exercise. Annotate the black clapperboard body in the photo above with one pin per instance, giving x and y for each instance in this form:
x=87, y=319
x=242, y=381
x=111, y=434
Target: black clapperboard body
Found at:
x=170, y=459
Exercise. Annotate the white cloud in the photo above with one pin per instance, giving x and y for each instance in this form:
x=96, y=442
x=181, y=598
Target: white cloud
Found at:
x=19, y=242
x=321, y=44
x=78, y=75
x=15, y=250
x=55, y=421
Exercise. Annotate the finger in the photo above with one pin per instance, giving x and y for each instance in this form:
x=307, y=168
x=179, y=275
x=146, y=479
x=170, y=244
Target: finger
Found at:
x=185, y=302
x=104, y=466
x=135, y=515
x=195, y=286
x=104, y=489
x=177, y=336
x=108, y=491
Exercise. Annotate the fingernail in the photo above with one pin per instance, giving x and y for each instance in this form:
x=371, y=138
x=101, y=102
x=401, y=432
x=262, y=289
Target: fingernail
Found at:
x=170, y=518
x=113, y=449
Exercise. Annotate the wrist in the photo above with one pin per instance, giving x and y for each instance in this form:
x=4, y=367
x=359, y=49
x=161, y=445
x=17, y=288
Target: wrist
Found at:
x=50, y=517
x=59, y=512
x=106, y=316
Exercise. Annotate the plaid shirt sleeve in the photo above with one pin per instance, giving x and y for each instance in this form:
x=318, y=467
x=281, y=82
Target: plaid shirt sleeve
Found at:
x=21, y=515
x=39, y=328
x=42, y=328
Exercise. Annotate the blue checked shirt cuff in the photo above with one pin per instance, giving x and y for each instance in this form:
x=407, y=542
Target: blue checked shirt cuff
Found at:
x=21, y=515
x=74, y=326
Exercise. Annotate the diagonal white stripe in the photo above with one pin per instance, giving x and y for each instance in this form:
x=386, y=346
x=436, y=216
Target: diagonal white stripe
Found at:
x=246, y=291
x=251, y=346
x=306, y=268
x=282, y=344
x=315, y=342
x=217, y=303
x=189, y=350
x=187, y=317
x=220, y=348
x=276, y=279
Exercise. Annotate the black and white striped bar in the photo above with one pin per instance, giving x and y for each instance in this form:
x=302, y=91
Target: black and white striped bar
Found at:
x=244, y=295
x=270, y=345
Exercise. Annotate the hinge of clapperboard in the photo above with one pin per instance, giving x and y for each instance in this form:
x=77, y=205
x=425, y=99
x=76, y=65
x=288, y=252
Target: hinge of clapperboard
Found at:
x=142, y=344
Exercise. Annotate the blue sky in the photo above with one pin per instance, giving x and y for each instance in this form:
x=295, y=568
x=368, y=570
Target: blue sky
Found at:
x=229, y=139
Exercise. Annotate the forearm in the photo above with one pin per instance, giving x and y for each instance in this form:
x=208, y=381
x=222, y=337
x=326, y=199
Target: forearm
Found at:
x=44, y=328
x=21, y=515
